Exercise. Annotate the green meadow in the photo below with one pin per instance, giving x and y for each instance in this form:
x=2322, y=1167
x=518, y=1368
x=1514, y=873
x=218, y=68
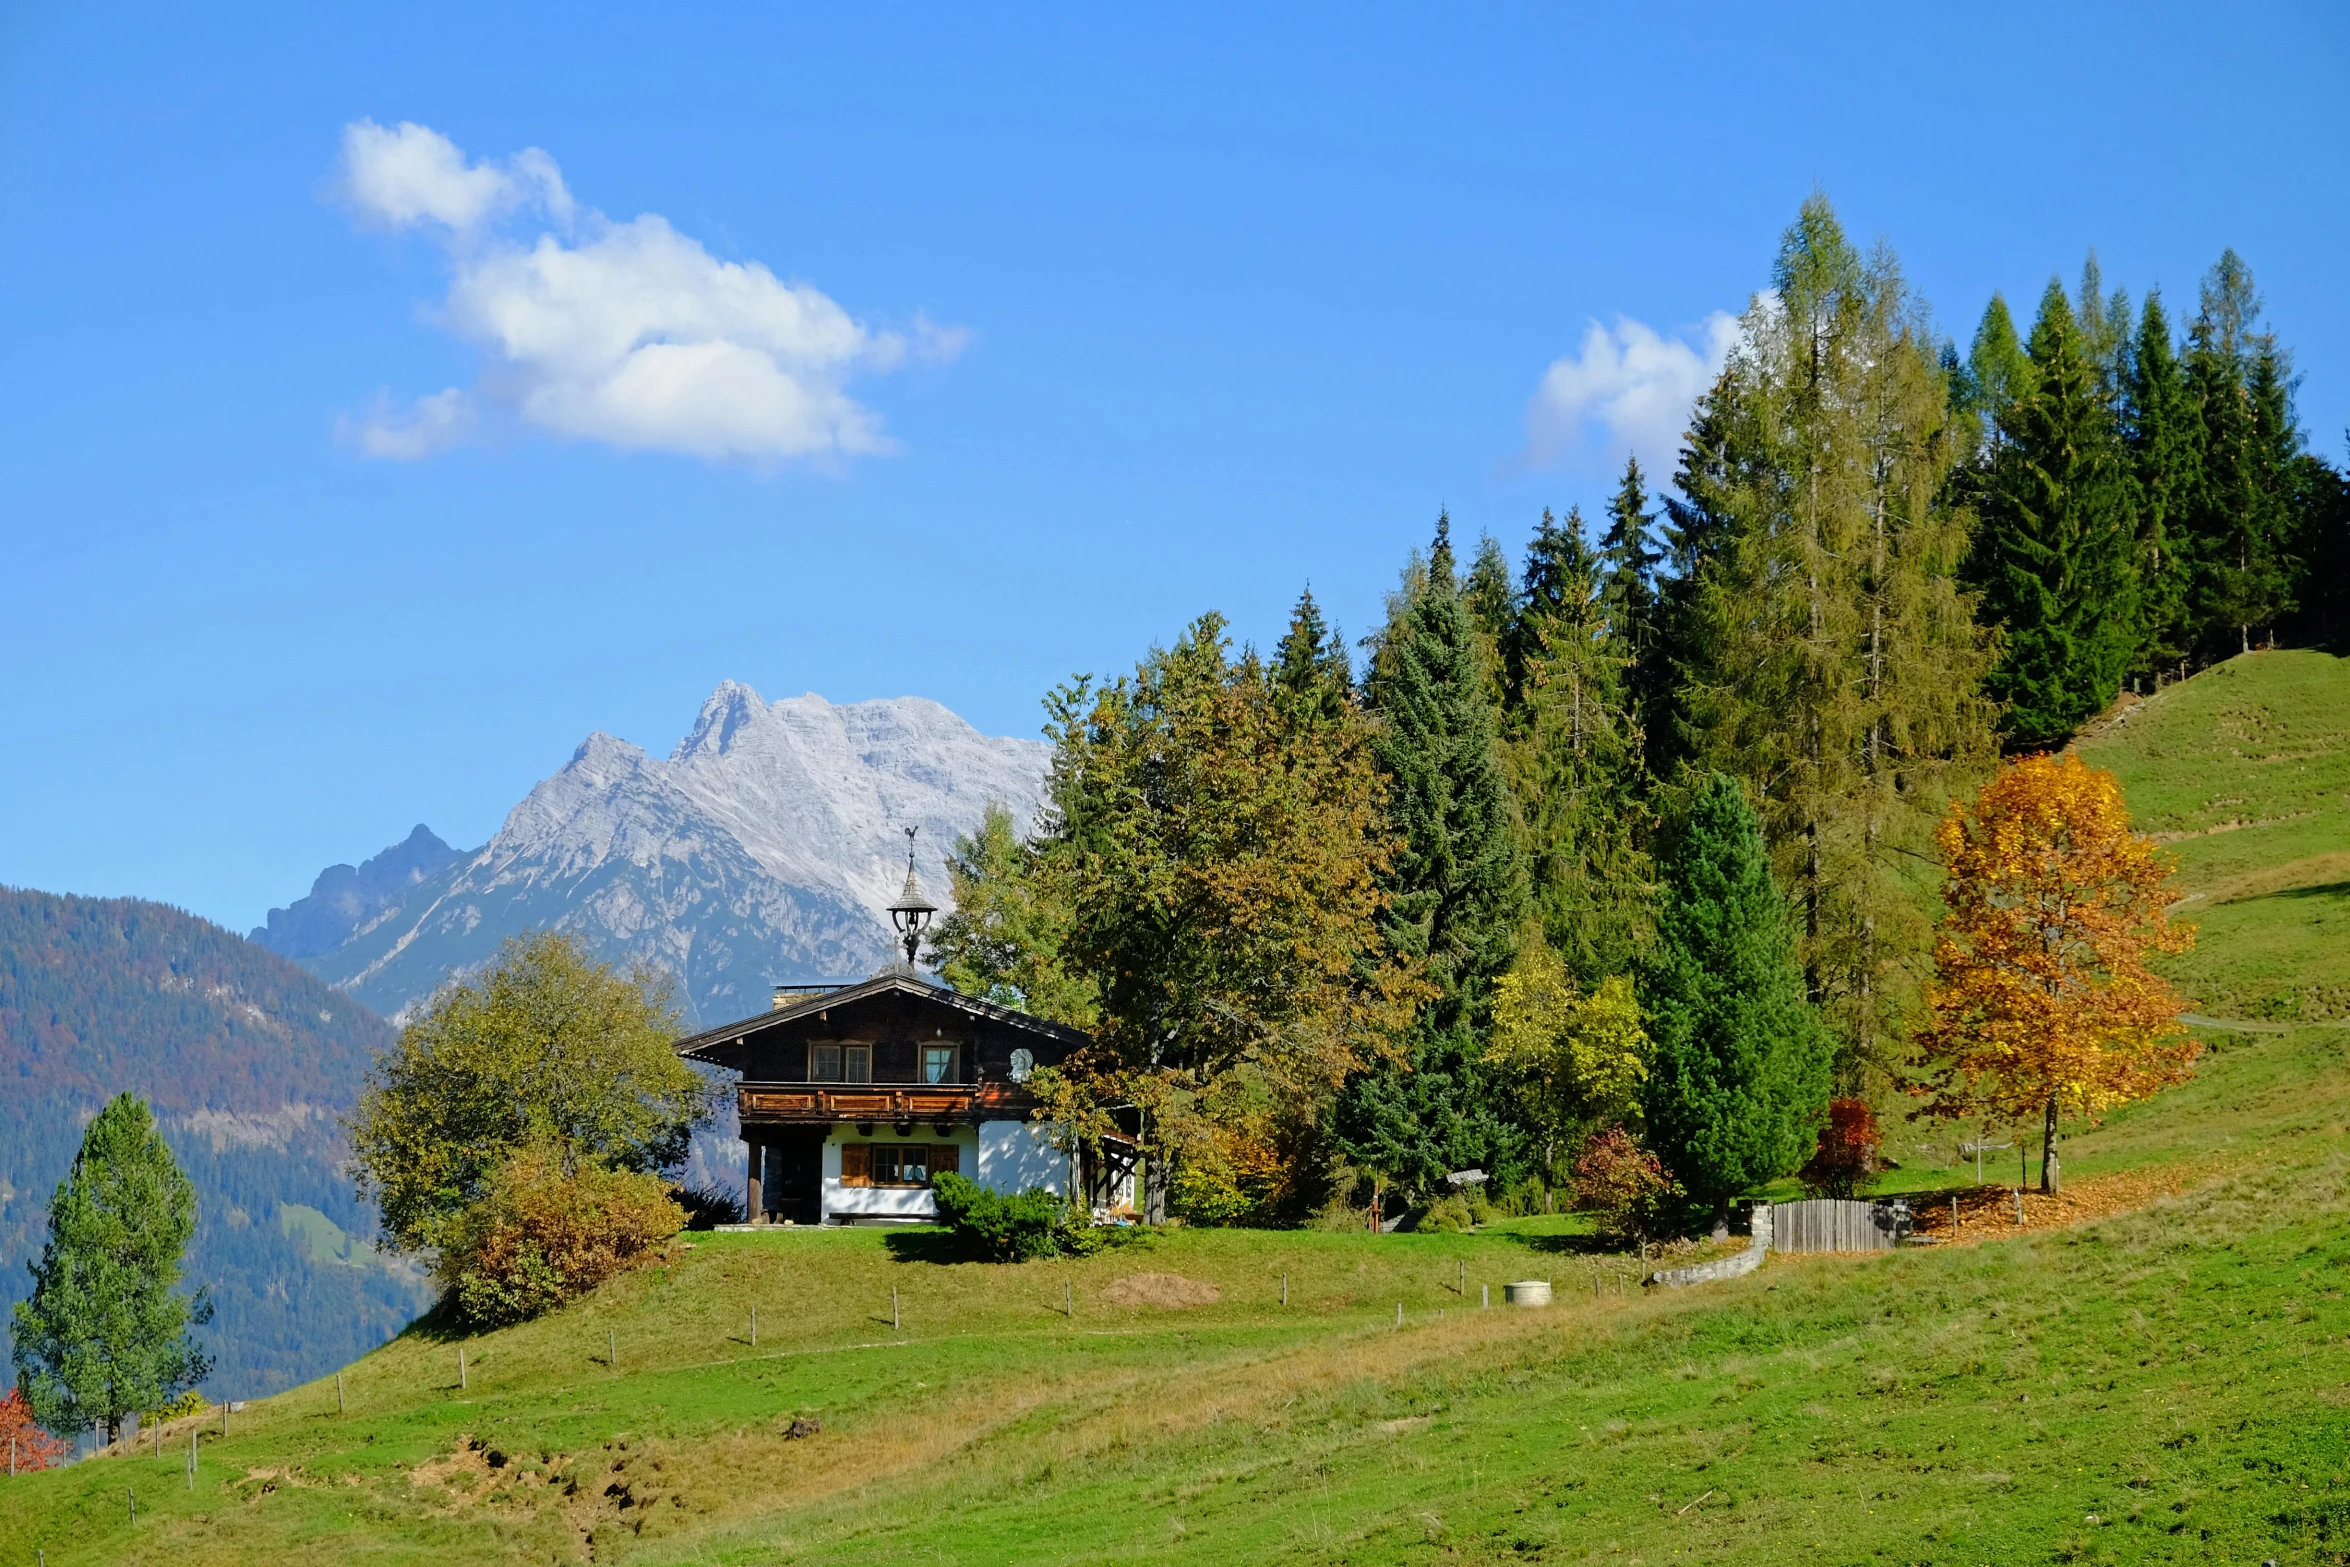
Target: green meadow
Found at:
x=2169, y=1383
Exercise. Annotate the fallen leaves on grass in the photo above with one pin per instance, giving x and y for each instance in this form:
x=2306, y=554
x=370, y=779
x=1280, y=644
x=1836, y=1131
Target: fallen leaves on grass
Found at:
x=1988, y=1213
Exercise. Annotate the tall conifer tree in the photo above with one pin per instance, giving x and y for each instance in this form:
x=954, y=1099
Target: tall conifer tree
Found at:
x=1627, y=592
x=2162, y=435
x=1740, y=1072
x=2239, y=582
x=104, y=1334
x=1572, y=747
x=1829, y=658
x=2053, y=549
x=1457, y=886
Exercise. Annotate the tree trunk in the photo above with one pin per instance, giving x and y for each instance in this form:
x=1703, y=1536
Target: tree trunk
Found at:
x=2051, y=1177
x=1154, y=1187
x=1721, y=1218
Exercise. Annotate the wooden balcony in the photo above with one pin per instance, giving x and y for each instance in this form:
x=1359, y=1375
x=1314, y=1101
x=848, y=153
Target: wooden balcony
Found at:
x=804, y=1104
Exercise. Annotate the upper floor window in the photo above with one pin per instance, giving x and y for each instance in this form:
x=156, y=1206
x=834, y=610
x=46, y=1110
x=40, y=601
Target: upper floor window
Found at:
x=939, y=1064
x=840, y=1063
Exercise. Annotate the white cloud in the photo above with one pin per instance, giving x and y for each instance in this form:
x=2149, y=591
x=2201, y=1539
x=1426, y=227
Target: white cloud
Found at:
x=1629, y=390
x=627, y=333
x=431, y=424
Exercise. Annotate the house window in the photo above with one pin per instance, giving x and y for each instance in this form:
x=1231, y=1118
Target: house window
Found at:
x=938, y=1064
x=895, y=1164
x=860, y=1063
x=824, y=1063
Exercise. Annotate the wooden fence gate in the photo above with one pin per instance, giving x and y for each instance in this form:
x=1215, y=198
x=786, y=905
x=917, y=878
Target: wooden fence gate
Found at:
x=1834, y=1224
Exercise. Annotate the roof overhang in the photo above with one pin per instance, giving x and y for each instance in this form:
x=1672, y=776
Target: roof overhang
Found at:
x=699, y=1047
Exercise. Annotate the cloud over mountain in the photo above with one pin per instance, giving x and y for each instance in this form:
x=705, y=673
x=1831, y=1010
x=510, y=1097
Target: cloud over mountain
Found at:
x=628, y=333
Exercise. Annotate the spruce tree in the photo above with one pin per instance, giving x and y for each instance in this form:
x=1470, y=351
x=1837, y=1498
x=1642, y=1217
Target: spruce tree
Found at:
x=1627, y=592
x=2162, y=436
x=1828, y=658
x=2055, y=540
x=1457, y=887
x=1741, y=1068
x=1572, y=749
x=1311, y=663
x=2235, y=517
x=1998, y=371
x=103, y=1335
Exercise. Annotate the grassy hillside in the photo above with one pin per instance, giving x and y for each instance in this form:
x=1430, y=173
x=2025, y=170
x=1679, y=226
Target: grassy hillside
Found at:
x=2244, y=772
x=2165, y=1384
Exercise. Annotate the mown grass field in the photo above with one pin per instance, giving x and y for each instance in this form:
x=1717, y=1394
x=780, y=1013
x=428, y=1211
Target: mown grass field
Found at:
x=2169, y=1384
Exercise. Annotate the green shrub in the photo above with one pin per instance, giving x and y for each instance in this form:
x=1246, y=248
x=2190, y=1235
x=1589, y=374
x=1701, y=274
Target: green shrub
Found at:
x=1446, y=1216
x=990, y=1225
x=539, y=1237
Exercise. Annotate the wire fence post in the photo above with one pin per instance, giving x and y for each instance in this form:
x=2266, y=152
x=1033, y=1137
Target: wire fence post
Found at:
x=1285, y=1289
x=893, y=1308
x=754, y=1327
x=338, y=1392
x=1399, y=1313
x=612, y=1349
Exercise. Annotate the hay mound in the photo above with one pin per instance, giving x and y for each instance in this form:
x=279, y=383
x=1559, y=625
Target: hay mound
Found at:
x=1167, y=1290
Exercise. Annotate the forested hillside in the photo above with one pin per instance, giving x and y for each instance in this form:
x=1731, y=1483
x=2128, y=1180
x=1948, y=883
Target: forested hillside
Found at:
x=247, y=1059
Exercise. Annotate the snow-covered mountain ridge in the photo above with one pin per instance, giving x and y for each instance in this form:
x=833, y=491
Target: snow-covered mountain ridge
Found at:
x=763, y=850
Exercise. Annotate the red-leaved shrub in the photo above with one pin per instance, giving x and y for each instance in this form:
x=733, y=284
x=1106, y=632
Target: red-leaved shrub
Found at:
x=30, y=1446
x=1845, y=1163
x=1624, y=1187
x=540, y=1237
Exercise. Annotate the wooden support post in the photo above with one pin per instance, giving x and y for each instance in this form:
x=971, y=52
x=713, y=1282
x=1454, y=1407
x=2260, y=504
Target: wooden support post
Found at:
x=1068, y=1299
x=893, y=1307
x=754, y=1204
x=1485, y=1296
x=460, y=1368
x=754, y=1327
x=338, y=1392
x=1285, y=1289
x=1399, y=1313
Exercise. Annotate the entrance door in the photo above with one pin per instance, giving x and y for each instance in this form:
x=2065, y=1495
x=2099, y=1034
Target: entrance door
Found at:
x=795, y=1174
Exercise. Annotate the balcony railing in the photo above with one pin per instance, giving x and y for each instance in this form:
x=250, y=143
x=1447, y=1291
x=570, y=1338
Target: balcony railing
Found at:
x=772, y=1102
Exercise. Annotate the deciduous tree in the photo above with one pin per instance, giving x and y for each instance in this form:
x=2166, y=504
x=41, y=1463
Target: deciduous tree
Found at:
x=1578, y=1057
x=1219, y=846
x=548, y=1049
x=2042, y=1001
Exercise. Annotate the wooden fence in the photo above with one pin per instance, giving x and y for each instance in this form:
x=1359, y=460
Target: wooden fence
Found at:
x=1831, y=1224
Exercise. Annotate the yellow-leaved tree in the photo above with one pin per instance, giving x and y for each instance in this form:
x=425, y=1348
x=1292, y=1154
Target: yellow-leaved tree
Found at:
x=1579, y=1059
x=2042, y=1000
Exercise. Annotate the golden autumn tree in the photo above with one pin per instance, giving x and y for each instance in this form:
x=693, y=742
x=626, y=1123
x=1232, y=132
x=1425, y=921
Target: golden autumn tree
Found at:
x=2042, y=1001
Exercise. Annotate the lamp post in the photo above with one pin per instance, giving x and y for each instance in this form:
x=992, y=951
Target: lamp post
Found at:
x=912, y=912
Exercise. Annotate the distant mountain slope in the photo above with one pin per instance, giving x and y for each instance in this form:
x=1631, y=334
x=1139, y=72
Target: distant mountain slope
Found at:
x=762, y=851
x=2243, y=772
x=247, y=1059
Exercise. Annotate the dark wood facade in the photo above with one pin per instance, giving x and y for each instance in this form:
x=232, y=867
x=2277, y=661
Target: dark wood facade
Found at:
x=895, y=1052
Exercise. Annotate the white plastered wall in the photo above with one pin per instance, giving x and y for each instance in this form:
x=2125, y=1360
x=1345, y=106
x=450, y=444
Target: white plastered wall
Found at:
x=1018, y=1156
x=889, y=1202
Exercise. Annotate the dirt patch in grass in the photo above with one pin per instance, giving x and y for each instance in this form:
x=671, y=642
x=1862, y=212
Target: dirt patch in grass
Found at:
x=1169, y=1291
x=1988, y=1213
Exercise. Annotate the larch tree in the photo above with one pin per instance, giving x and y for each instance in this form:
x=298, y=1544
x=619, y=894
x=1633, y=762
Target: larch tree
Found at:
x=2054, y=546
x=1832, y=660
x=104, y=1333
x=2042, y=1002
x=1740, y=1068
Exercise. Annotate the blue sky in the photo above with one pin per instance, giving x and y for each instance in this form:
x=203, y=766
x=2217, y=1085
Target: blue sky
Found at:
x=1017, y=338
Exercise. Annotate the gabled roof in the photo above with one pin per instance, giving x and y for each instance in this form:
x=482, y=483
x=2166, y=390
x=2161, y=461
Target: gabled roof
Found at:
x=897, y=981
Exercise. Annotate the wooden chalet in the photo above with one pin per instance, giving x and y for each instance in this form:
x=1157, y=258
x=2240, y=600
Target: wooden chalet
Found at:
x=852, y=1097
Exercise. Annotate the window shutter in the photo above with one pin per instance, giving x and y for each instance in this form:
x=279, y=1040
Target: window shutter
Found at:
x=945, y=1156
x=856, y=1168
